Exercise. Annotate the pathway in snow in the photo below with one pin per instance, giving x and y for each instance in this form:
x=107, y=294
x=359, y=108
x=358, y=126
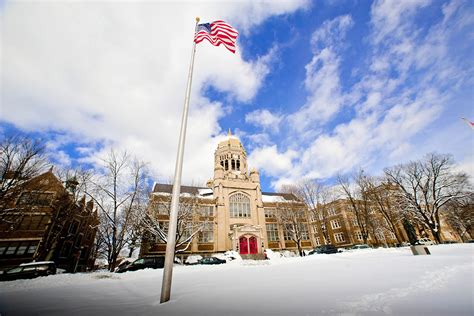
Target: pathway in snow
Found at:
x=429, y=283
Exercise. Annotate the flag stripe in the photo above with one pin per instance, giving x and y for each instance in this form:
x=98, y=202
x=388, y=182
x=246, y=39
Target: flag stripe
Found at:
x=217, y=33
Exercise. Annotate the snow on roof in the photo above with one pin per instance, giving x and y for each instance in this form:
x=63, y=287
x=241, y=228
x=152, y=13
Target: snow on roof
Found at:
x=205, y=191
x=35, y=263
x=273, y=198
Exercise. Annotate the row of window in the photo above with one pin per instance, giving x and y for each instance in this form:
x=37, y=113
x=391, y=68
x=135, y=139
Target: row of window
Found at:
x=35, y=198
x=288, y=231
x=204, y=210
x=27, y=222
x=18, y=248
x=206, y=235
x=234, y=164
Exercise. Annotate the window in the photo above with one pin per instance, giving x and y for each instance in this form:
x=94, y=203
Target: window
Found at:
x=73, y=227
x=238, y=165
x=12, y=248
x=272, y=232
x=358, y=235
x=355, y=222
x=207, y=210
x=162, y=209
x=269, y=212
x=339, y=237
x=35, y=198
x=78, y=240
x=207, y=233
x=187, y=232
x=66, y=250
x=303, y=229
x=22, y=249
x=331, y=211
x=32, y=247
x=233, y=164
x=392, y=235
x=239, y=205
x=3, y=247
x=318, y=241
x=288, y=232
x=335, y=224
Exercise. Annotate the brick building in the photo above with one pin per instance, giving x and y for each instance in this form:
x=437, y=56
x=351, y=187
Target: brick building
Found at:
x=41, y=220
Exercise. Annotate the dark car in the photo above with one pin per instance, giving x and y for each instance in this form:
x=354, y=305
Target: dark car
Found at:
x=29, y=271
x=143, y=263
x=324, y=249
x=211, y=260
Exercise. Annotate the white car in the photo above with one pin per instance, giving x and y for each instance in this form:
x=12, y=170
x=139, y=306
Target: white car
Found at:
x=426, y=242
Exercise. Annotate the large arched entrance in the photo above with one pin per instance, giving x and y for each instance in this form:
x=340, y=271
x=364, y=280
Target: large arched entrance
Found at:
x=248, y=245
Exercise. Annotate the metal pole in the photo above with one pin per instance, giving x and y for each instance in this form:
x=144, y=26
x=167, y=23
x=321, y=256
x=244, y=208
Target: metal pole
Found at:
x=171, y=240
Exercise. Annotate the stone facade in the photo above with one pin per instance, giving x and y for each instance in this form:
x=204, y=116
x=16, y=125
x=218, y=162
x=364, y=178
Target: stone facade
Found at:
x=238, y=217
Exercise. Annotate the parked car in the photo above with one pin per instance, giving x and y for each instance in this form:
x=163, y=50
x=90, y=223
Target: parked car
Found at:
x=425, y=241
x=29, y=271
x=327, y=249
x=143, y=263
x=211, y=260
x=360, y=246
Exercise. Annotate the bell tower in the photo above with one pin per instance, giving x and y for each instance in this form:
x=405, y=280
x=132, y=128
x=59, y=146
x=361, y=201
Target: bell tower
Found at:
x=230, y=159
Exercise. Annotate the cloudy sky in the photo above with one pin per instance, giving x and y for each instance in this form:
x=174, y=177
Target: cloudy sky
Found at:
x=314, y=89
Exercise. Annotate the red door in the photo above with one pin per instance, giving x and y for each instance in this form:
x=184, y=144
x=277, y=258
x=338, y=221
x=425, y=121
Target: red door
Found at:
x=253, y=248
x=244, y=245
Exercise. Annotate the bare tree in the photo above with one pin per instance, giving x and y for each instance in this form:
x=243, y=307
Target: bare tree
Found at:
x=426, y=186
x=191, y=220
x=381, y=196
x=359, y=200
x=116, y=194
x=459, y=214
x=317, y=196
x=20, y=160
x=291, y=216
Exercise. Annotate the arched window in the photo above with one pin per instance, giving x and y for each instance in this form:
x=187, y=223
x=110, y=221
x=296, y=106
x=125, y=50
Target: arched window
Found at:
x=227, y=165
x=239, y=205
x=238, y=165
x=233, y=164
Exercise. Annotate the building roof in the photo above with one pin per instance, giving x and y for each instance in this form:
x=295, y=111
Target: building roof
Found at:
x=168, y=188
x=204, y=191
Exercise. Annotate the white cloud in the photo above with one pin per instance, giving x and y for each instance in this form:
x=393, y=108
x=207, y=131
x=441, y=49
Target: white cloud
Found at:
x=265, y=119
x=271, y=162
x=322, y=75
x=388, y=16
x=115, y=73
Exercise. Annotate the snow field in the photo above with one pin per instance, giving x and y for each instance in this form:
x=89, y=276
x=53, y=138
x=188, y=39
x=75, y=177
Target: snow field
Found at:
x=362, y=282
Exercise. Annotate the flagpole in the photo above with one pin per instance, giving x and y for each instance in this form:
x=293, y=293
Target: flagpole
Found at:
x=171, y=240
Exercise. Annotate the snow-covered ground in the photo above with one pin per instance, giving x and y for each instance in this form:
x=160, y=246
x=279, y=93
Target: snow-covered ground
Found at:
x=362, y=282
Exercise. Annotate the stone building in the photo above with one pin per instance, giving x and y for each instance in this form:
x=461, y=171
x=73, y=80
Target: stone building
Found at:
x=42, y=221
x=235, y=213
x=344, y=230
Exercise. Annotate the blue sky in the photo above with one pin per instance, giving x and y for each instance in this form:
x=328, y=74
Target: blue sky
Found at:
x=315, y=88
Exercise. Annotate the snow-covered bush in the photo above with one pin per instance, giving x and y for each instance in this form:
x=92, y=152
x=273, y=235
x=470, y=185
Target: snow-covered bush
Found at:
x=193, y=259
x=228, y=255
x=273, y=255
x=288, y=254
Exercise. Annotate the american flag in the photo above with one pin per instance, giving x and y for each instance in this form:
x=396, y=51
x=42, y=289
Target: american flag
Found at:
x=471, y=124
x=217, y=33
